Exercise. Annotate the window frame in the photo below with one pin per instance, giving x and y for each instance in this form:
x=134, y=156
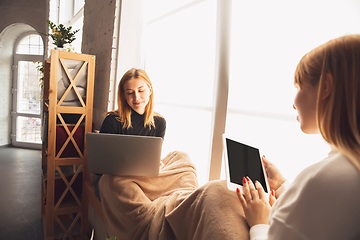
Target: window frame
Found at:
x=14, y=113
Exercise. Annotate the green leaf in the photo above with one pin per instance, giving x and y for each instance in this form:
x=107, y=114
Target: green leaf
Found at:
x=60, y=34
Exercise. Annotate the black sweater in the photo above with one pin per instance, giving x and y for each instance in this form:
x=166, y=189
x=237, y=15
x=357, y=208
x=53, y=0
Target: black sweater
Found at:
x=112, y=125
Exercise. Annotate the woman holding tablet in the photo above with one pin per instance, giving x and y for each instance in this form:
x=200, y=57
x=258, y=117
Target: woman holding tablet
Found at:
x=323, y=201
x=135, y=114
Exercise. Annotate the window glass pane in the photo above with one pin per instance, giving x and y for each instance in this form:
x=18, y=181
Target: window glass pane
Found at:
x=76, y=45
x=78, y=4
x=78, y=24
x=28, y=89
x=31, y=44
x=268, y=40
x=180, y=55
x=28, y=130
x=180, y=58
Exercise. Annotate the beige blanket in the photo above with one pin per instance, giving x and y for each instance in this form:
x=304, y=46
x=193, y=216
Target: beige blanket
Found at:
x=171, y=206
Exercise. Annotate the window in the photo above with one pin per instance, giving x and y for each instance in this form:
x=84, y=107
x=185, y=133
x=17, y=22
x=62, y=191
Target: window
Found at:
x=68, y=13
x=26, y=123
x=78, y=5
x=268, y=39
x=31, y=44
x=28, y=89
x=180, y=61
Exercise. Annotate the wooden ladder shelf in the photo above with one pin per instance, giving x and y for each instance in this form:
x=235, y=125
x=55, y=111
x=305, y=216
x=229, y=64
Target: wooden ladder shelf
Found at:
x=63, y=207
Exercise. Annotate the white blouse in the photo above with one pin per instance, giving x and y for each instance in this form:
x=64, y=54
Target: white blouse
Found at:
x=322, y=203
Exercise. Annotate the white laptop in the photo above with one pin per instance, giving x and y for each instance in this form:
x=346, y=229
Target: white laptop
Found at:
x=242, y=160
x=120, y=154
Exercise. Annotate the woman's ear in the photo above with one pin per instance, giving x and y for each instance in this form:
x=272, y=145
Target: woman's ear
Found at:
x=327, y=86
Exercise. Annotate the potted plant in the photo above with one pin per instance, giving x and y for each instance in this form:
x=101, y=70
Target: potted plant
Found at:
x=60, y=34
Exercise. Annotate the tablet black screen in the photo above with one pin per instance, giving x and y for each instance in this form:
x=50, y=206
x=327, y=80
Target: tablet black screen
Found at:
x=244, y=161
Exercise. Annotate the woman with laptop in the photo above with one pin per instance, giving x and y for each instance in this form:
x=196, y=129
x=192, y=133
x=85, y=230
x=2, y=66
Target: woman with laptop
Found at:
x=135, y=114
x=323, y=201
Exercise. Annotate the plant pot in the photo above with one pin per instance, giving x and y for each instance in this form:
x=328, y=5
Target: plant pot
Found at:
x=60, y=48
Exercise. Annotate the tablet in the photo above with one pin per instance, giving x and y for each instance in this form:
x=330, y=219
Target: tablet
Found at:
x=242, y=160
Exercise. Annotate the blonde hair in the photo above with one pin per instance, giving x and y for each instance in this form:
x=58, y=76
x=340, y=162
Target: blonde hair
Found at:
x=124, y=110
x=338, y=115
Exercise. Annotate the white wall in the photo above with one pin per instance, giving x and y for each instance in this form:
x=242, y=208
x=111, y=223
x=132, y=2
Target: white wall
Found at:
x=6, y=46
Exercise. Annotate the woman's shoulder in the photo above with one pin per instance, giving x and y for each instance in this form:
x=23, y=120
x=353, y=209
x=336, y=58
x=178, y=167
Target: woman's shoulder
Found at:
x=111, y=121
x=337, y=166
x=325, y=195
x=160, y=125
x=111, y=116
x=328, y=188
x=159, y=118
x=333, y=174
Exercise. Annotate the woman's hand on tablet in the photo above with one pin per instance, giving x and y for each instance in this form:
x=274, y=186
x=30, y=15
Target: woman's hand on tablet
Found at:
x=274, y=176
x=256, y=206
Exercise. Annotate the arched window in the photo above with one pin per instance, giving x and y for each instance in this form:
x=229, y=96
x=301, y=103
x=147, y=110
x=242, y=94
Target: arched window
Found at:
x=26, y=108
x=31, y=44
